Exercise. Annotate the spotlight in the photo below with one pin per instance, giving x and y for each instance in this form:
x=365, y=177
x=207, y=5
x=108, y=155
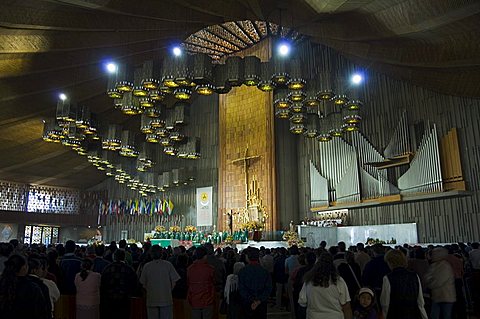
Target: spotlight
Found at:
x=62, y=96
x=111, y=67
x=177, y=51
x=283, y=49
x=357, y=78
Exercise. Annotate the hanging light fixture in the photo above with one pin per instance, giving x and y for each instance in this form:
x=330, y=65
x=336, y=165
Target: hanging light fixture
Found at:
x=182, y=93
x=150, y=74
x=193, y=148
x=168, y=76
x=124, y=78
x=138, y=89
x=252, y=70
x=220, y=79
x=176, y=136
x=296, y=82
x=297, y=128
x=112, y=91
x=297, y=108
x=296, y=96
x=181, y=113
x=325, y=85
x=280, y=73
x=202, y=74
x=145, y=156
x=280, y=99
x=66, y=111
x=266, y=84
x=340, y=97
x=235, y=70
x=157, y=123
x=337, y=123
x=324, y=130
x=166, y=142
x=311, y=129
x=297, y=118
x=152, y=138
x=51, y=131
x=130, y=105
x=282, y=113
x=170, y=150
x=156, y=95
x=127, y=146
x=113, y=138
x=163, y=132
x=311, y=100
x=354, y=105
x=145, y=126
x=153, y=112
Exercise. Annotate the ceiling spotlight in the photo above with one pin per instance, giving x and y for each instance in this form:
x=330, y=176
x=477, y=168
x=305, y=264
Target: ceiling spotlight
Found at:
x=62, y=96
x=357, y=78
x=177, y=51
x=111, y=67
x=283, y=49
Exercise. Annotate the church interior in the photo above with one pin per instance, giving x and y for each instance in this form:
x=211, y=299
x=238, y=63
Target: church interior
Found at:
x=209, y=120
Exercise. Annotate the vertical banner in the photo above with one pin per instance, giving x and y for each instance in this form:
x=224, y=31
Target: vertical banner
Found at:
x=204, y=206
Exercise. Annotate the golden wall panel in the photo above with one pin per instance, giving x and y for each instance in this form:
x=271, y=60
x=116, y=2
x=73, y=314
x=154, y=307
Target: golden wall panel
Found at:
x=246, y=120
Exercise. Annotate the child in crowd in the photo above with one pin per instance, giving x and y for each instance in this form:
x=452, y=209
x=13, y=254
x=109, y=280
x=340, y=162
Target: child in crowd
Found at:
x=365, y=307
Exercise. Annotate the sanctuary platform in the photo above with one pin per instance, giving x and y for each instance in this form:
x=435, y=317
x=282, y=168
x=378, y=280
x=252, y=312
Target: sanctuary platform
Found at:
x=267, y=244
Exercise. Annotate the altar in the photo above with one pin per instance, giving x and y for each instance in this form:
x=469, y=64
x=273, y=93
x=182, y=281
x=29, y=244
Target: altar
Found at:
x=351, y=235
x=165, y=242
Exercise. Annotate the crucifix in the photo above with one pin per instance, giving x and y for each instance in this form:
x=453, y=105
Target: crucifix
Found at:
x=245, y=161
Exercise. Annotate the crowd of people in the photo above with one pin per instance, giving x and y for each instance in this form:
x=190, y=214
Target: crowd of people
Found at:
x=125, y=281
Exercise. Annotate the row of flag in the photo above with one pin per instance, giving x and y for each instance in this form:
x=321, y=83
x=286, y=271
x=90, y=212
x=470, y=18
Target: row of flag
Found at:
x=136, y=207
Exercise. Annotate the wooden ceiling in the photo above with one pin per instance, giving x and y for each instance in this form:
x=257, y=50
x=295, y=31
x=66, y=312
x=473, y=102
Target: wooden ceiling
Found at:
x=48, y=46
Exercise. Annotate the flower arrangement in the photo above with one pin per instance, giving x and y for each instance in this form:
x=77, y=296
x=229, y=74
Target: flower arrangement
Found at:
x=229, y=239
x=190, y=229
x=252, y=225
x=292, y=238
x=159, y=228
x=372, y=241
x=175, y=229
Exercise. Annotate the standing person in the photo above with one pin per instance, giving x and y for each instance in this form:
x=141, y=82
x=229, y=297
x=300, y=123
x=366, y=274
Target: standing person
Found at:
x=441, y=281
x=401, y=291
x=254, y=285
x=310, y=259
x=34, y=273
x=231, y=294
x=20, y=298
x=201, y=286
x=280, y=277
x=54, y=293
x=350, y=272
x=87, y=283
x=375, y=269
x=365, y=307
x=361, y=256
x=118, y=283
x=291, y=264
x=158, y=278
x=324, y=293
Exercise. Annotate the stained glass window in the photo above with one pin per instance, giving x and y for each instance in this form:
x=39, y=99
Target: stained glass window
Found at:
x=44, y=199
x=41, y=234
x=37, y=235
x=28, y=234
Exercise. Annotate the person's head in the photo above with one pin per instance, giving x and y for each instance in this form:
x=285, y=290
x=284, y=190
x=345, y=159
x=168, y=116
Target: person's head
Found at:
x=87, y=265
x=6, y=249
x=360, y=247
x=119, y=255
x=253, y=254
x=35, y=267
x=333, y=250
x=475, y=245
x=182, y=261
x=342, y=246
x=349, y=257
x=209, y=248
x=293, y=250
x=156, y=252
x=122, y=244
x=15, y=265
x=439, y=254
x=237, y=267
x=378, y=250
x=201, y=252
x=323, y=244
x=310, y=258
x=322, y=272
x=100, y=250
x=395, y=259
x=70, y=247
x=90, y=251
x=366, y=297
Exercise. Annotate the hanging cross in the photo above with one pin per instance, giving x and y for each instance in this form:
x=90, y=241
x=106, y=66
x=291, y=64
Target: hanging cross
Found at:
x=245, y=161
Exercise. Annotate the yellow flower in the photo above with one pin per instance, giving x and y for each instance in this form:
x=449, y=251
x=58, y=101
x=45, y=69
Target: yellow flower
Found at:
x=190, y=229
x=159, y=228
x=174, y=228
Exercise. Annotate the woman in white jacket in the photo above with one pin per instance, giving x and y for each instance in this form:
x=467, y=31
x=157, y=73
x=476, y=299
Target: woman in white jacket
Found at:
x=441, y=281
x=325, y=293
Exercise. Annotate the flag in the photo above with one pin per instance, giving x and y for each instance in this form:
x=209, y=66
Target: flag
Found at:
x=170, y=207
x=164, y=206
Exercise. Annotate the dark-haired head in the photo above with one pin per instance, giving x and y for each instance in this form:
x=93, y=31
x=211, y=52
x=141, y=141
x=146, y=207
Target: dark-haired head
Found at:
x=200, y=252
x=119, y=255
x=323, y=272
x=156, y=252
x=87, y=264
x=70, y=246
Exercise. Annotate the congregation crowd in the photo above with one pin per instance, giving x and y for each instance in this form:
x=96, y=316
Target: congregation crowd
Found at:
x=125, y=281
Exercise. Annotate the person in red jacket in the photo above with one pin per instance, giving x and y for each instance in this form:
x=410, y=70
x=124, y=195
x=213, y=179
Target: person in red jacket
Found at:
x=201, y=286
